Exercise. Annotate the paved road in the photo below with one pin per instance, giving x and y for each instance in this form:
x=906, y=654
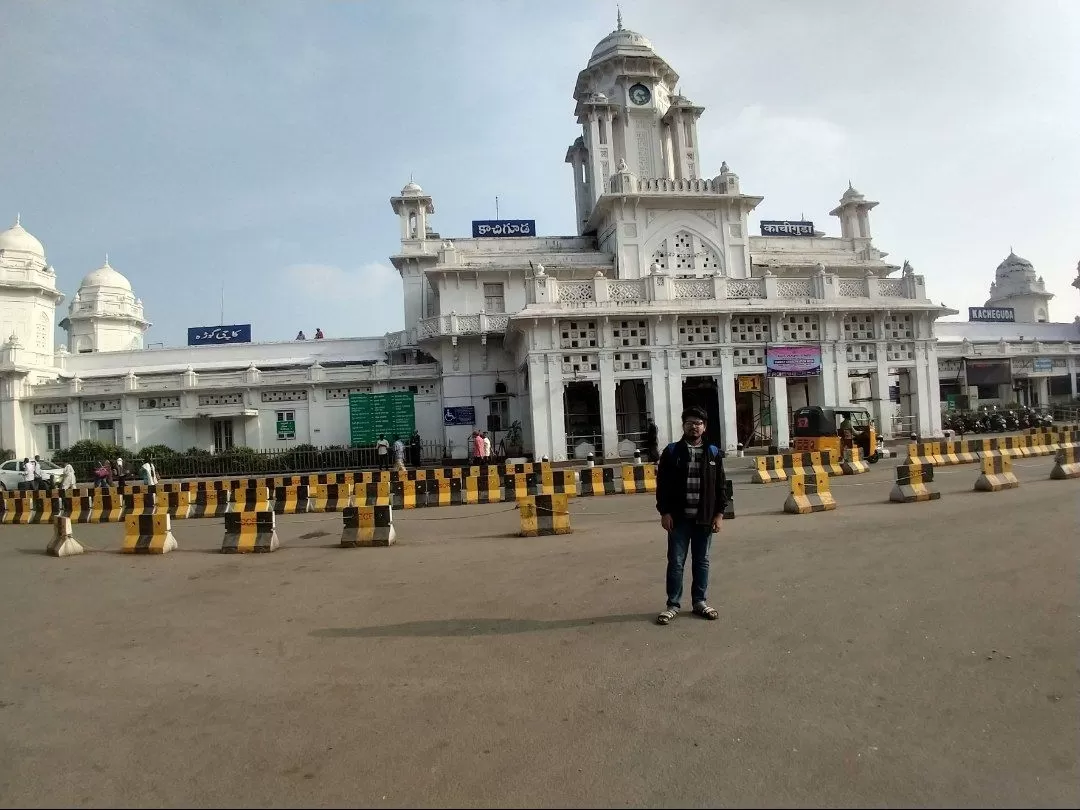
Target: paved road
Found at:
x=882, y=654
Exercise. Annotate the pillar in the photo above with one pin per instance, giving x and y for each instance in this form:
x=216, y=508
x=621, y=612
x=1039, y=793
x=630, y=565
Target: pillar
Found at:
x=725, y=388
x=1073, y=374
x=881, y=406
x=556, y=410
x=674, y=389
x=841, y=381
x=921, y=395
x=1042, y=391
x=778, y=412
x=539, y=408
x=609, y=430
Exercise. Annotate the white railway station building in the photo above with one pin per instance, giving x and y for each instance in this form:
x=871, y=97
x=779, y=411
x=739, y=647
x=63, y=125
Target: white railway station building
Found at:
x=669, y=294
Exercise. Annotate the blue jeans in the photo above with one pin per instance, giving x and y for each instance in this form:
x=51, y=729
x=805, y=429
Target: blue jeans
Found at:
x=688, y=536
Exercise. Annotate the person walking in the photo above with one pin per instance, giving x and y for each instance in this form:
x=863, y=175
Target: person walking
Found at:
x=399, y=454
x=29, y=469
x=478, y=447
x=487, y=446
x=382, y=451
x=67, y=479
x=119, y=475
x=39, y=481
x=415, y=449
x=690, y=497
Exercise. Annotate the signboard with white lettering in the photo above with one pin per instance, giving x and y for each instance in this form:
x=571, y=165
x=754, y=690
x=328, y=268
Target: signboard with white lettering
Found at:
x=487, y=228
x=206, y=335
x=992, y=314
x=787, y=228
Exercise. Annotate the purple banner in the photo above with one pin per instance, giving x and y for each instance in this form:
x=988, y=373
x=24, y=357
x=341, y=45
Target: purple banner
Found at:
x=793, y=361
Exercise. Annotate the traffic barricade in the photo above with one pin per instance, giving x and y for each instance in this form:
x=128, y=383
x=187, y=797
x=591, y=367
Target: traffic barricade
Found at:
x=371, y=493
x=853, y=463
x=544, y=515
x=17, y=509
x=175, y=503
x=768, y=469
x=148, y=534
x=1066, y=464
x=832, y=461
x=367, y=526
x=250, y=532
x=209, y=502
x=403, y=494
x=482, y=489
x=44, y=509
x=288, y=501
x=250, y=499
x=997, y=474
x=809, y=493
x=63, y=542
x=597, y=481
x=638, y=478
x=142, y=503
x=914, y=483
x=336, y=497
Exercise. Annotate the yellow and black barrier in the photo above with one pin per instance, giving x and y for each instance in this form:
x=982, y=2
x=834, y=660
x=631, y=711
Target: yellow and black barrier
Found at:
x=337, y=496
x=809, y=493
x=63, y=543
x=250, y=499
x=371, y=477
x=436, y=492
x=518, y=485
x=142, y=503
x=482, y=489
x=106, y=509
x=209, y=502
x=997, y=474
x=543, y=515
x=914, y=483
x=148, y=534
x=560, y=482
x=371, y=493
x=250, y=532
x=597, y=481
x=638, y=478
x=288, y=501
x=768, y=469
x=45, y=509
x=316, y=501
x=175, y=503
x=403, y=494
x=450, y=473
x=832, y=461
x=1066, y=464
x=805, y=464
x=853, y=463
x=17, y=509
x=367, y=526
x=79, y=508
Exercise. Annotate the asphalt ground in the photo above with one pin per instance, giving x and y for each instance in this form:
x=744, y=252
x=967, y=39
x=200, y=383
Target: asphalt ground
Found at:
x=879, y=655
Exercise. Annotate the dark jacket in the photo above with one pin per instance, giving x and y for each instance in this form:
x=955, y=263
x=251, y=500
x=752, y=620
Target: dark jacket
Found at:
x=671, y=483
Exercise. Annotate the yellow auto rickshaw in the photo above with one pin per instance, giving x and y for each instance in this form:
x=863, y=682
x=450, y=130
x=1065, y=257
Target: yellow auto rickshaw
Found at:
x=815, y=429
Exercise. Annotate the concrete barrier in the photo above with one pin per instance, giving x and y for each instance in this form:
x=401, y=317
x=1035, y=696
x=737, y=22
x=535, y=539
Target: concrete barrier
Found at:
x=290, y=500
x=209, y=502
x=997, y=474
x=543, y=515
x=809, y=493
x=176, y=503
x=914, y=483
x=250, y=499
x=148, y=534
x=597, y=481
x=370, y=493
x=140, y=503
x=63, y=543
x=768, y=469
x=483, y=489
x=1066, y=464
x=638, y=478
x=853, y=463
x=250, y=532
x=367, y=526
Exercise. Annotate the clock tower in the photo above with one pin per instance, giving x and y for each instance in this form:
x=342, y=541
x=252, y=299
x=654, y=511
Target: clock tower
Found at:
x=631, y=114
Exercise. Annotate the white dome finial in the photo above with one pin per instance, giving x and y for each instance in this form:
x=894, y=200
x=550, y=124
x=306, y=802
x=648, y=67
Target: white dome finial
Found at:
x=106, y=259
x=618, y=18
x=18, y=219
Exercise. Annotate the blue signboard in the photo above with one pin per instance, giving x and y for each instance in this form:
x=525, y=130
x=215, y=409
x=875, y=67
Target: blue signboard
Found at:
x=992, y=314
x=1044, y=364
x=486, y=228
x=459, y=415
x=207, y=335
x=787, y=228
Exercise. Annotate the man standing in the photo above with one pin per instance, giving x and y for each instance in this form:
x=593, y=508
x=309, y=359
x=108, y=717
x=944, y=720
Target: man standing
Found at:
x=67, y=482
x=399, y=454
x=690, y=497
x=478, y=447
x=382, y=450
x=29, y=474
x=487, y=446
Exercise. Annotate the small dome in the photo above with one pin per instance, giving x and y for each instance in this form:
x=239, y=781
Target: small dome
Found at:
x=851, y=193
x=624, y=40
x=18, y=238
x=105, y=276
x=411, y=190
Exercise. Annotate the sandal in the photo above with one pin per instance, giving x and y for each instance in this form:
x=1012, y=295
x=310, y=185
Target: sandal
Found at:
x=706, y=612
x=667, y=616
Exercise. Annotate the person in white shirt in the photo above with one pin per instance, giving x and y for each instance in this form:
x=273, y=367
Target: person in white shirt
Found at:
x=119, y=474
x=29, y=473
x=399, y=453
x=67, y=481
x=148, y=473
x=487, y=445
x=382, y=450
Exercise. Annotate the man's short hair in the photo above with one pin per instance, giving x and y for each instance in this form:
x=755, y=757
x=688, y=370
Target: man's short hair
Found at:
x=695, y=412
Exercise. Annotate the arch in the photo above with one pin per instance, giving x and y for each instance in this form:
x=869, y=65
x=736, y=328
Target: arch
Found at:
x=1040, y=315
x=413, y=225
x=682, y=249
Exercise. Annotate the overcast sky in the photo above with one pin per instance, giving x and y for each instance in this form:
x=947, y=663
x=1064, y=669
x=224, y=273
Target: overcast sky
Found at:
x=257, y=143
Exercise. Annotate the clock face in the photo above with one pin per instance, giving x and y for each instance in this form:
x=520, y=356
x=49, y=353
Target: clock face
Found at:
x=639, y=94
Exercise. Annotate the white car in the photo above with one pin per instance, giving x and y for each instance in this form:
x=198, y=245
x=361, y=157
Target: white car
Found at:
x=11, y=473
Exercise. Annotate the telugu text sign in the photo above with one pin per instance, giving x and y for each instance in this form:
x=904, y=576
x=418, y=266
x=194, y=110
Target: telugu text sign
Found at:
x=487, y=228
x=793, y=361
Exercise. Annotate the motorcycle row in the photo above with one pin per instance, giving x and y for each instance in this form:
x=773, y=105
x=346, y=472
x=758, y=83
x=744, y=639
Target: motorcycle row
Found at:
x=995, y=421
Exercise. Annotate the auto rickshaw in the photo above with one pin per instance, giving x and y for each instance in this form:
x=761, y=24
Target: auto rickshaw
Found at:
x=817, y=429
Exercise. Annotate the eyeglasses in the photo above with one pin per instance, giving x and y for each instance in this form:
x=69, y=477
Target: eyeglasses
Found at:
x=693, y=423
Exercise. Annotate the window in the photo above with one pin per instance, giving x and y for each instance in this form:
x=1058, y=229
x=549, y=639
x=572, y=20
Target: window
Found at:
x=52, y=437
x=286, y=425
x=494, y=300
x=223, y=437
x=498, y=413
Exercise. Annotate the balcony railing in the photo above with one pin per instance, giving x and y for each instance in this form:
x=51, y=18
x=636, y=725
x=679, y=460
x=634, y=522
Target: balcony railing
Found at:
x=547, y=291
x=452, y=324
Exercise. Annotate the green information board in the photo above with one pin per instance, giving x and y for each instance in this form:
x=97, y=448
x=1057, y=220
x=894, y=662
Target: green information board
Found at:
x=286, y=426
x=392, y=414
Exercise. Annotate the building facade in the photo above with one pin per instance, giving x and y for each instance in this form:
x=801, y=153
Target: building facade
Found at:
x=668, y=294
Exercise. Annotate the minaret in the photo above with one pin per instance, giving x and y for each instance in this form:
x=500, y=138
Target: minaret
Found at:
x=1016, y=286
x=854, y=213
x=412, y=207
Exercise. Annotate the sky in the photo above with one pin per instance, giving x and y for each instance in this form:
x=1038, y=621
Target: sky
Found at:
x=253, y=146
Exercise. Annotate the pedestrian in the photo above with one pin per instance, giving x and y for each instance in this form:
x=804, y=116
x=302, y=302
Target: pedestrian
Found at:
x=399, y=454
x=478, y=447
x=67, y=480
x=487, y=445
x=147, y=473
x=29, y=469
x=318, y=334
x=415, y=447
x=382, y=451
x=102, y=475
x=300, y=335
x=690, y=497
x=118, y=472
x=652, y=440
x=39, y=482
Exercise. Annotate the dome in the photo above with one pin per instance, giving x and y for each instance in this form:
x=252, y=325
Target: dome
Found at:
x=412, y=190
x=1015, y=264
x=105, y=276
x=622, y=39
x=18, y=238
